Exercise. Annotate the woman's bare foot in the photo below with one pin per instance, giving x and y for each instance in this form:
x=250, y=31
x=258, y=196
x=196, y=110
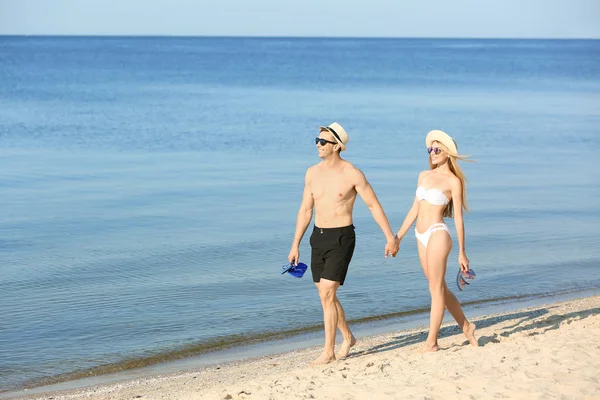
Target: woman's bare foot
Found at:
x=322, y=360
x=345, y=348
x=428, y=348
x=470, y=334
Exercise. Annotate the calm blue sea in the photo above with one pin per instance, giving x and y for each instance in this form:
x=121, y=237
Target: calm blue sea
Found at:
x=149, y=186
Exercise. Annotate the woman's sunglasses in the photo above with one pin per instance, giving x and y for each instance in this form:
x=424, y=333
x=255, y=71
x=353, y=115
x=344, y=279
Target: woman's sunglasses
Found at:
x=323, y=142
x=436, y=150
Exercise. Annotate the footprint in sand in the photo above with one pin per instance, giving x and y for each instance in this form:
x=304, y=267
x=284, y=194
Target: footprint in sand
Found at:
x=383, y=366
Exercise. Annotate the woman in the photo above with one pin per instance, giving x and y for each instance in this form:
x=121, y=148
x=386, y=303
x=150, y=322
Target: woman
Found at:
x=440, y=193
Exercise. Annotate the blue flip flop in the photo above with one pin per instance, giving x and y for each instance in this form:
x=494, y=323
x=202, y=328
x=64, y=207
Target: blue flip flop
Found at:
x=464, y=278
x=295, y=270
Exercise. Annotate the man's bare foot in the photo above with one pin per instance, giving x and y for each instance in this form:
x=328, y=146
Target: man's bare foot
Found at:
x=470, y=334
x=322, y=360
x=345, y=348
x=428, y=348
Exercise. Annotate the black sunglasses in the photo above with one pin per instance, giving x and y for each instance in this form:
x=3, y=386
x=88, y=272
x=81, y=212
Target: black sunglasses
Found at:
x=436, y=150
x=323, y=142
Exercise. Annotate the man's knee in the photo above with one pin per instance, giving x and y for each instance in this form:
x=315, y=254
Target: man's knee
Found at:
x=327, y=290
x=327, y=295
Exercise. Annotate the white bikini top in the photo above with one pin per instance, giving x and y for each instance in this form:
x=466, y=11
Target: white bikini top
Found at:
x=433, y=196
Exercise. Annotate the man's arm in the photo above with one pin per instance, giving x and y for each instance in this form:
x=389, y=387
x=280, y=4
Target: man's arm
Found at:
x=304, y=217
x=367, y=194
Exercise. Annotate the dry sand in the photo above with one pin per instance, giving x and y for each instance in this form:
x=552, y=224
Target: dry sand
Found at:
x=547, y=352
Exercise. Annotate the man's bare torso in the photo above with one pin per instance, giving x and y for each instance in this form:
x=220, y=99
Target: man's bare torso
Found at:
x=334, y=193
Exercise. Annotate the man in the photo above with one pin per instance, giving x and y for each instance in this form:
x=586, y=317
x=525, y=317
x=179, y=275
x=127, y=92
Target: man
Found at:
x=330, y=187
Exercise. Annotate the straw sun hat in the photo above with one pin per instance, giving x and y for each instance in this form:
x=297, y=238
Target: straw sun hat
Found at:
x=339, y=134
x=443, y=138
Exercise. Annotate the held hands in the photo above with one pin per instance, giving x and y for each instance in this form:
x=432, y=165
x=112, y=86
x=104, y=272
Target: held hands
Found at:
x=392, y=247
x=463, y=262
x=294, y=255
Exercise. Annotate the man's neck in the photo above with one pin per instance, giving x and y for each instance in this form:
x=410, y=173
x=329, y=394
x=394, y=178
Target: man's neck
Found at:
x=332, y=161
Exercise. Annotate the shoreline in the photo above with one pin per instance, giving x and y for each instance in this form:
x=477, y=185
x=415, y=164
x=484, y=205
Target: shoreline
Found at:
x=281, y=343
x=261, y=373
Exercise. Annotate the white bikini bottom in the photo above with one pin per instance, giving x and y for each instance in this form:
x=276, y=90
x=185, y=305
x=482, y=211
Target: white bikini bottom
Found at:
x=424, y=237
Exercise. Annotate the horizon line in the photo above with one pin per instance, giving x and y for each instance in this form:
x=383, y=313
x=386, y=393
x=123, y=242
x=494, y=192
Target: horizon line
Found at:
x=111, y=35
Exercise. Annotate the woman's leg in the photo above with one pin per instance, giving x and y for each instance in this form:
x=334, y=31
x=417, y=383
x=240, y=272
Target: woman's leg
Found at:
x=423, y=258
x=455, y=309
x=436, y=256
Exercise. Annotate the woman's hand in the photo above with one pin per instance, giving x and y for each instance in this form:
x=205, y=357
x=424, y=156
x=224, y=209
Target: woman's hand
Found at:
x=463, y=262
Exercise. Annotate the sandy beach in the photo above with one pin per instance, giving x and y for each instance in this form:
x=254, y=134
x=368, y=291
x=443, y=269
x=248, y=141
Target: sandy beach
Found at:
x=544, y=352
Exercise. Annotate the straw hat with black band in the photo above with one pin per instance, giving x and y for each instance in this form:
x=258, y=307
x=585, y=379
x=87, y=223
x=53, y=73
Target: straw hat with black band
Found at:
x=339, y=134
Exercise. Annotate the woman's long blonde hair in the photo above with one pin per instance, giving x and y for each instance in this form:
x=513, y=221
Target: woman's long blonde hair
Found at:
x=458, y=172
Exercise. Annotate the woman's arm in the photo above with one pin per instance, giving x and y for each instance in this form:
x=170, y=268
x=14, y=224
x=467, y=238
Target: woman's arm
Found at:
x=457, y=201
x=409, y=219
x=411, y=215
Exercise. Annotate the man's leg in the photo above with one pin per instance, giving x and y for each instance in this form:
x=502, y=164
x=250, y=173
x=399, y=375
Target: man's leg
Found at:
x=327, y=293
x=349, y=339
x=343, y=258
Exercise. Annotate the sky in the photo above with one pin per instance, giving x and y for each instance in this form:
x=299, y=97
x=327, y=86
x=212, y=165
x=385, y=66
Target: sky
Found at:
x=322, y=18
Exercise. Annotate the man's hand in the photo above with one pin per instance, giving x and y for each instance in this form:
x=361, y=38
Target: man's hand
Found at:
x=294, y=255
x=392, y=247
